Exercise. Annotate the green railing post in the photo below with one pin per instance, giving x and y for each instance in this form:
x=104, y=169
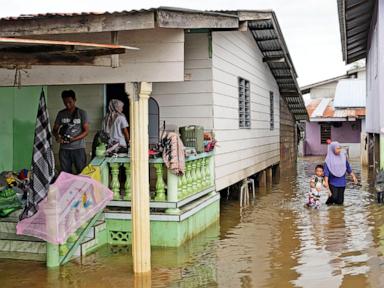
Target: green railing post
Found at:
x=203, y=174
x=115, y=183
x=211, y=169
x=207, y=171
x=193, y=175
x=198, y=176
x=160, y=185
x=189, y=189
x=184, y=182
x=104, y=171
x=53, y=257
x=172, y=191
x=127, y=186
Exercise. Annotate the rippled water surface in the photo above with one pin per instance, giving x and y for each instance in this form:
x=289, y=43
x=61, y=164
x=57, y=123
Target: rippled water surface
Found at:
x=275, y=242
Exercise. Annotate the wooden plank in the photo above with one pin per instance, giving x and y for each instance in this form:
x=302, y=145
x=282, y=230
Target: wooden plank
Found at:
x=77, y=24
x=115, y=40
x=73, y=57
x=225, y=180
x=230, y=158
x=194, y=20
x=62, y=75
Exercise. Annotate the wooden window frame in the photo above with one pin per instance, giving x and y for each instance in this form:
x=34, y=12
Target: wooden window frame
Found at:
x=325, y=135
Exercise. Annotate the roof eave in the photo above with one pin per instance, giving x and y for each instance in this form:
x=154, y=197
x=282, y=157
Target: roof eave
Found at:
x=354, y=15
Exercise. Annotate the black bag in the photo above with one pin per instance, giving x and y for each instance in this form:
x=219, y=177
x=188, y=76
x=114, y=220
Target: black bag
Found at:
x=103, y=137
x=71, y=129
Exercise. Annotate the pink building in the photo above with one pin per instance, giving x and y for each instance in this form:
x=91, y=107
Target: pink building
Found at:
x=336, y=108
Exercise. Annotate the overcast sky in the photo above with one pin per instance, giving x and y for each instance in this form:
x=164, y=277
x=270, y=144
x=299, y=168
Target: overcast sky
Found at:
x=310, y=27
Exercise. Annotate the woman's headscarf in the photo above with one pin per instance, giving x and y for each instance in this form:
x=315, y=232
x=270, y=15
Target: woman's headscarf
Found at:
x=115, y=108
x=337, y=164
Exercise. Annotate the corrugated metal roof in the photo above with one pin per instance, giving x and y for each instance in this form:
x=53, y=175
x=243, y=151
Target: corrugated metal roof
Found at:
x=323, y=110
x=350, y=93
x=355, y=19
x=51, y=15
x=269, y=38
x=321, y=107
x=175, y=9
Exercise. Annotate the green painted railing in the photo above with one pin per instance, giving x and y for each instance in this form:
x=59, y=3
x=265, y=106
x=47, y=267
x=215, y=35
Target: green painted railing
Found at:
x=60, y=254
x=198, y=176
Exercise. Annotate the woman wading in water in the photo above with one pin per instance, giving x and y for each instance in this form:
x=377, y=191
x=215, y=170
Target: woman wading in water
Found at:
x=335, y=169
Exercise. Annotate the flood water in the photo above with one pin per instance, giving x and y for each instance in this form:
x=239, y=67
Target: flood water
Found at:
x=274, y=242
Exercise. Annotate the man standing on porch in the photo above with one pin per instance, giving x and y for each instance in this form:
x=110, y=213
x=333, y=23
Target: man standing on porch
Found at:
x=70, y=129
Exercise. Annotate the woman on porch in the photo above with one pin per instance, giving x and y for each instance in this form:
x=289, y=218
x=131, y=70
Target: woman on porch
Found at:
x=115, y=125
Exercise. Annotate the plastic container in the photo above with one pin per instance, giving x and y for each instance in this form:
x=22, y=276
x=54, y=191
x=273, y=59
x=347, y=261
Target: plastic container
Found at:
x=193, y=136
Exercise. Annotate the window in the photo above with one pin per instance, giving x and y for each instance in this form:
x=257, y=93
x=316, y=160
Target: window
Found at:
x=271, y=111
x=244, y=104
x=325, y=132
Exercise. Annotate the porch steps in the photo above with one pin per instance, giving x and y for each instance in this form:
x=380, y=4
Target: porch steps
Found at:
x=13, y=246
x=185, y=211
x=88, y=241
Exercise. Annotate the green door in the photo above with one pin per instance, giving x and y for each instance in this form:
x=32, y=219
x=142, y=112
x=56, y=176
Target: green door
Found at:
x=25, y=111
x=6, y=128
x=18, y=109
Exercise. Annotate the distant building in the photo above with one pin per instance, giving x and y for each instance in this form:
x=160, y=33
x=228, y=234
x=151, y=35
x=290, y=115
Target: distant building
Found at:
x=362, y=32
x=336, y=108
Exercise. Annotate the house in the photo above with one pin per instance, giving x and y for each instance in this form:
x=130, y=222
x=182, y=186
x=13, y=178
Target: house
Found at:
x=361, y=30
x=336, y=108
x=229, y=72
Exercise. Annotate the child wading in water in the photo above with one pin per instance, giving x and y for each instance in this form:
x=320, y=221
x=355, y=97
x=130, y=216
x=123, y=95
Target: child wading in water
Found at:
x=317, y=185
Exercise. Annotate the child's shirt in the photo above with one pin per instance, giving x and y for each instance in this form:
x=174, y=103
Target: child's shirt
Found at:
x=318, y=181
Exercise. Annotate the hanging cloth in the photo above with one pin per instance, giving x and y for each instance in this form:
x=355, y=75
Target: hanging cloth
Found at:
x=173, y=153
x=43, y=163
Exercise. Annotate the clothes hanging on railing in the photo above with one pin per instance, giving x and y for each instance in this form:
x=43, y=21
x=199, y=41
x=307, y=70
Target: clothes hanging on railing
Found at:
x=173, y=153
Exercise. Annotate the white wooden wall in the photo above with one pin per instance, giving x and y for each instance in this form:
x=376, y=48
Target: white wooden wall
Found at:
x=160, y=58
x=242, y=152
x=324, y=91
x=209, y=97
x=375, y=75
x=89, y=98
x=189, y=102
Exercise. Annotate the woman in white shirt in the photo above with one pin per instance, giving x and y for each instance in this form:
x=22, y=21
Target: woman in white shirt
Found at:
x=115, y=124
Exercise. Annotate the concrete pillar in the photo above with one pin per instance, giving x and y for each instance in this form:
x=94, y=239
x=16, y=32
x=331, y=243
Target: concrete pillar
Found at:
x=142, y=280
x=364, y=149
x=53, y=258
x=269, y=176
x=262, y=179
x=141, y=244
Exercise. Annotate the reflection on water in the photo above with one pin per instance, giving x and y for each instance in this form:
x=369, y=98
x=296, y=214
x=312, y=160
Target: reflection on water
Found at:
x=275, y=242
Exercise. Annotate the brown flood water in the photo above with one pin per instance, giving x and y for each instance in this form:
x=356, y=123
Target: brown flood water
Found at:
x=275, y=242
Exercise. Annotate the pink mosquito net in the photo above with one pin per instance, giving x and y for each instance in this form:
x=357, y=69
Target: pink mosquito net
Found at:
x=71, y=202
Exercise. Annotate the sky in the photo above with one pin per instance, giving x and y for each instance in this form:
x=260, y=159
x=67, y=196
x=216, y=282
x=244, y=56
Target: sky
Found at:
x=310, y=27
